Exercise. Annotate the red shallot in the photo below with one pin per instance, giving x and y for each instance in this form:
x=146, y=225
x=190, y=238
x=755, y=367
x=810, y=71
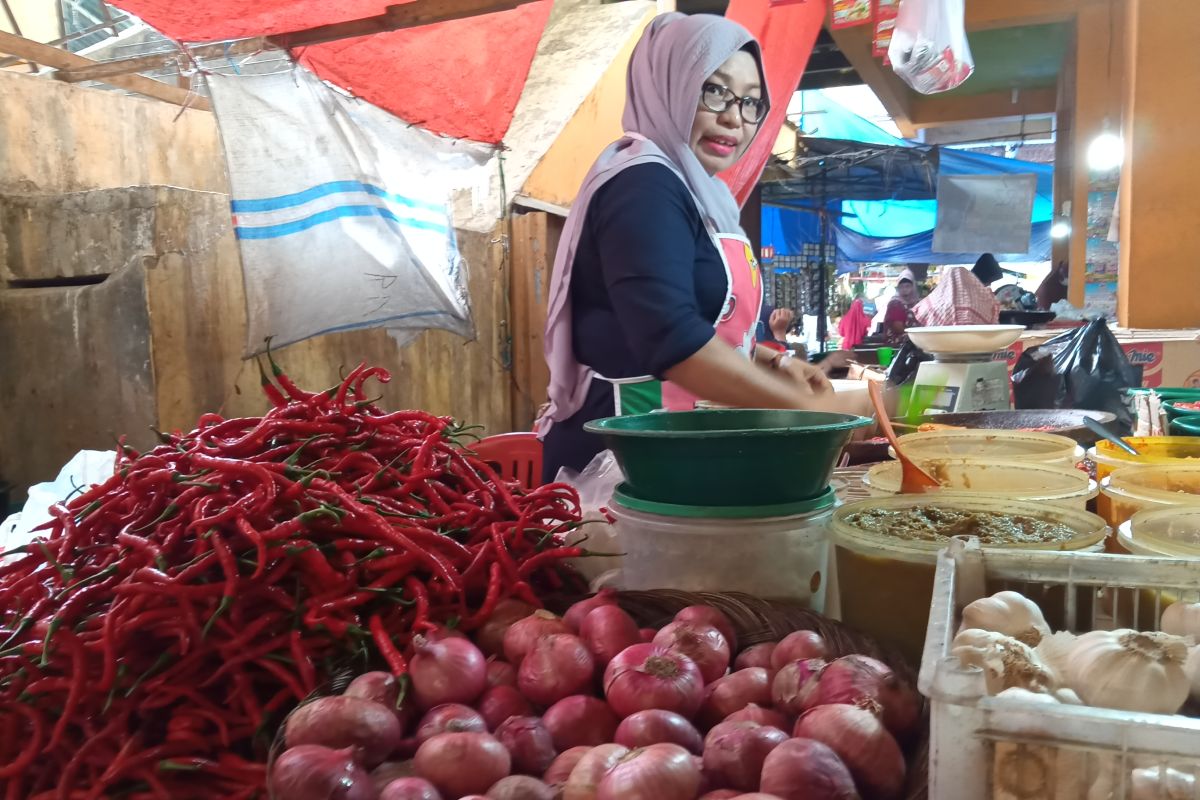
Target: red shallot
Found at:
x=798, y=646
x=707, y=615
x=529, y=744
x=758, y=655
x=410, y=789
x=858, y=737
x=389, y=771
x=734, y=692
x=463, y=763
x=371, y=729
x=580, y=720
x=607, y=630
x=500, y=673
x=702, y=643
x=312, y=772
x=721, y=794
x=450, y=718
x=378, y=687
x=501, y=702
x=556, y=666
x=763, y=716
x=490, y=635
x=656, y=726
x=578, y=612
x=647, y=676
x=585, y=778
x=734, y=753
x=791, y=682
x=852, y=678
x=647, y=634
x=804, y=769
x=450, y=670
x=520, y=787
x=560, y=769
x=657, y=772
x=522, y=634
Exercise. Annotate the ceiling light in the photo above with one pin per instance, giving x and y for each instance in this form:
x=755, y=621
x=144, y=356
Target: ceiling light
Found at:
x=1106, y=152
x=1061, y=229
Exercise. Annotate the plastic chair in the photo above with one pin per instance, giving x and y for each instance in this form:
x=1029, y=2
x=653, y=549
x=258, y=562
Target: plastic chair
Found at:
x=517, y=456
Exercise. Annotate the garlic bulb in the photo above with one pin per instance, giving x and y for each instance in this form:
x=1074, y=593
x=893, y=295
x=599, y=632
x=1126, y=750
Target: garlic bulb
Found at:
x=1130, y=671
x=1191, y=668
x=1010, y=613
x=1181, y=619
x=1054, y=650
x=1162, y=783
x=1026, y=696
x=1006, y=662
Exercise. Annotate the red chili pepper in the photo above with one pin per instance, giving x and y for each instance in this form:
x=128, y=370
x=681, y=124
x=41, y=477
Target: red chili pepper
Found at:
x=387, y=648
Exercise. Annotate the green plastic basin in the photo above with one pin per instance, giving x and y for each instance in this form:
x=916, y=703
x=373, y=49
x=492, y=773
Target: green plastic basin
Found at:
x=1174, y=412
x=1185, y=426
x=728, y=457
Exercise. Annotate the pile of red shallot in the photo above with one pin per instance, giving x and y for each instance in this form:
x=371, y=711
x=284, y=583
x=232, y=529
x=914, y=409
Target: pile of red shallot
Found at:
x=590, y=707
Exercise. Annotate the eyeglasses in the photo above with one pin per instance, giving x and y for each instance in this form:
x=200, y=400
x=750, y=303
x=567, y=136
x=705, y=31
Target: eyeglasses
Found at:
x=718, y=99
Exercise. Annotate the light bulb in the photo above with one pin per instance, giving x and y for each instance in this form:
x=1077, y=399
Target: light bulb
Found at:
x=1106, y=152
x=1060, y=230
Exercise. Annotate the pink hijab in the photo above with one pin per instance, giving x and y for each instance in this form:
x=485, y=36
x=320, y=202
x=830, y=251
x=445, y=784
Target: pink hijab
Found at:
x=671, y=61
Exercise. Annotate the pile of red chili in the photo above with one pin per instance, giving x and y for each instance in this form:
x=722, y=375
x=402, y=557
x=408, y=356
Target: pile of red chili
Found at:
x=153, y=640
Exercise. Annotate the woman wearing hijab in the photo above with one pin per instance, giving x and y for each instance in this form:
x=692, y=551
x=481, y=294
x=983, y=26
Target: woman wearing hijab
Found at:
x=899, y=316
x=959, y=299
x=854, y=325
x=656, y=293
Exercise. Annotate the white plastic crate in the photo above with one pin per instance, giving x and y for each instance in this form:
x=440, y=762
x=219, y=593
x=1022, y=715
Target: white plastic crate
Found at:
x=982, y=748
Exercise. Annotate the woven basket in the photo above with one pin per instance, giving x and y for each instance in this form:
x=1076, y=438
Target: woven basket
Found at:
x=755, y=620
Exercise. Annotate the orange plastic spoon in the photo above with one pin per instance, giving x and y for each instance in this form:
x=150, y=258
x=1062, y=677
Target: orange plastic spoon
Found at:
x=913, y=479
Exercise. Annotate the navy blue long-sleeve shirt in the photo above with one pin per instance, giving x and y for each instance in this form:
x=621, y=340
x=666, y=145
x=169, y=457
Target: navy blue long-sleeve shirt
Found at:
x=646, y=290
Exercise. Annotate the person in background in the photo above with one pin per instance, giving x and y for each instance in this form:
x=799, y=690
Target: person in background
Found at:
x=987, y=269
x=774, y=324
x=960, y=298
x=656, y=293
x=899, y=315
x=1054, y=287
x=854, y=325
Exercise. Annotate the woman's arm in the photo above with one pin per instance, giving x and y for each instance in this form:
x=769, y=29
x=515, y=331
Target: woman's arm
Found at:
x=718, y=373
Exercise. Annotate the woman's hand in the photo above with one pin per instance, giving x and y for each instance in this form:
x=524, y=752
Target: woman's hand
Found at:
x=807, y=378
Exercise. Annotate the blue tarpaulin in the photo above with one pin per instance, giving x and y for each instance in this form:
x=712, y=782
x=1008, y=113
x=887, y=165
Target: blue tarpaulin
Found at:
x=891, y=230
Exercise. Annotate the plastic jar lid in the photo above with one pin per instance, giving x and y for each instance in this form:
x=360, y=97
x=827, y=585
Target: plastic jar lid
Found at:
x=624, y=497
x=1169, y=532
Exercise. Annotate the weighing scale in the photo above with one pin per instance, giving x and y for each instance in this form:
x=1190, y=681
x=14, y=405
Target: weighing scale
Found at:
x=964, y=375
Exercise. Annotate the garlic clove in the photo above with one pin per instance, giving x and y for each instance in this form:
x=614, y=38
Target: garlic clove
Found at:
x=1010, y=613
x=1067, y=697
x=1130, y=671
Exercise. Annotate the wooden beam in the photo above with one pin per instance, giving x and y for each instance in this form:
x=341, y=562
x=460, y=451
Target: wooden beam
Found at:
x=930, y=112
x=396, y=17
x=855, y=44
x=49, y=56
x=985, y=14
x=60, y=41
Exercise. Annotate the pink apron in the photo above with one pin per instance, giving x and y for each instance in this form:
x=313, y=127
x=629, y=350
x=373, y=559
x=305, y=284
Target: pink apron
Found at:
x=736, y=326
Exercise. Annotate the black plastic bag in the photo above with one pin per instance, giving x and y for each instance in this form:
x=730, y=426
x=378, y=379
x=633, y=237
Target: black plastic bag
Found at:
x=903, y=368
x=1083, y=369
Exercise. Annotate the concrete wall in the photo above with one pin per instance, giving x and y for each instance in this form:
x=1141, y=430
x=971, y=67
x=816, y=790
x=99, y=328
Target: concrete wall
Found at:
x=96, y=186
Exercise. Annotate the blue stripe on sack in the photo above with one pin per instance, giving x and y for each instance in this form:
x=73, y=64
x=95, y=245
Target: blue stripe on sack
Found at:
x=329, y=215
x=323, y=189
